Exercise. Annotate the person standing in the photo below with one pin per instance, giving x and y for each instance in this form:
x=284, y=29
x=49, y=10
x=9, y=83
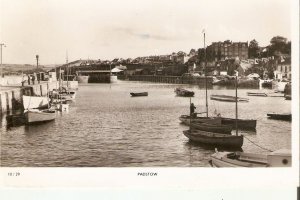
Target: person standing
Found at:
x=192, y=110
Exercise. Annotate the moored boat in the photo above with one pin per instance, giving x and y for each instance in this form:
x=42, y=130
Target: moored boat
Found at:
x=214, y=139
x=280, y=116
x=228, y=98
x=241, y=123
x=258, y=94
x=186, y=119
x=37, y=116
x=138, y=94
x=279, y=158
x=183, y=92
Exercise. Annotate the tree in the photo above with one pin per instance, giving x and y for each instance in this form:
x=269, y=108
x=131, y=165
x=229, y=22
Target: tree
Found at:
x=253, y=48
x=279, y=45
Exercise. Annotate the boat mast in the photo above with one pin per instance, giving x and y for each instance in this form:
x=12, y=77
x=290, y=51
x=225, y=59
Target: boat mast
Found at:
x=236, y=105
x=67, y=69
x=205, y=76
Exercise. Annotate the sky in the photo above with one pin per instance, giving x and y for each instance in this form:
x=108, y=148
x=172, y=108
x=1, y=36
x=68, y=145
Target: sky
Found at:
x=107, y=29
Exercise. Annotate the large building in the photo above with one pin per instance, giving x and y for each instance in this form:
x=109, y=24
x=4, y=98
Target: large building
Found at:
x=228, y=49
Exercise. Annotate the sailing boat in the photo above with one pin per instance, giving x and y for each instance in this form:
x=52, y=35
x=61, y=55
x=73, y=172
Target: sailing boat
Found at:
x=216, y=139
x=187, y=119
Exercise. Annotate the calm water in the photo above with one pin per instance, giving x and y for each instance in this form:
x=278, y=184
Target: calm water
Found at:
x=106, y=127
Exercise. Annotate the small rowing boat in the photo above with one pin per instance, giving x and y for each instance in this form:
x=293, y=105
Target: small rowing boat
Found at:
x=257, y=94
x=37, y=116
x=228, y=98
x=138, y=94
x=216, y=128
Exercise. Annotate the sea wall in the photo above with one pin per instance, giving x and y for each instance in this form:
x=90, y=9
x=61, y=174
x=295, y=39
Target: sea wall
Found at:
x=200, y=81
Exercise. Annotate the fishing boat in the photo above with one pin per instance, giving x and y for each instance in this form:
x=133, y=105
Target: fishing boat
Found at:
x=282, y=116
x=38, y=116
x=186, y=119
x=138, y=94
x=215, y=139
x=183, y=92
x=228, y=98
x=258, y=94
x=32, y=102
x=216, y=128
x=248, y=124
x=279, y=158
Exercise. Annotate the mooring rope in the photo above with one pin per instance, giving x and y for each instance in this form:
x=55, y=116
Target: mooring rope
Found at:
x=257, y=144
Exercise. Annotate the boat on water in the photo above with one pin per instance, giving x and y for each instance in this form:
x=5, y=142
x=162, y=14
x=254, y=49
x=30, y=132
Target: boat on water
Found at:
x=183, y=92
x=138, y=94
x=215, y=139
x=257, y=94
x=216, y=128
x=228, y=98
x=280, y=116
x=35, y=102
x=186, y=119
x=38, y=116
x=279, y=158
x=248, y=124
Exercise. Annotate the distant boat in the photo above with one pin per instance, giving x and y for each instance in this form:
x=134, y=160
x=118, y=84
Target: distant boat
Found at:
x=258, y=94
x=216, y=139
x=228, y=98
x=241, y=123
x=186, y=119
x=279, y=158
x=216, y=128
x=183, y=92
x=37, y=116
x=285, y=117
x=138, y=94
x=35, y=102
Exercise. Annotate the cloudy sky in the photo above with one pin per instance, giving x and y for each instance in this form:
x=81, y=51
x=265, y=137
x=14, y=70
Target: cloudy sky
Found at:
x=106, y=29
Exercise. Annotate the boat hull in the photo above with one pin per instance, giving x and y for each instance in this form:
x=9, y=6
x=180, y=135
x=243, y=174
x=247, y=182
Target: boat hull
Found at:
x=285, y=117
x=227, y=98
x=225, y=129
x=248, y=124
x=258, y=94
x=39, y=116
x=186, y=119
x=215, y=139
x=138, y=94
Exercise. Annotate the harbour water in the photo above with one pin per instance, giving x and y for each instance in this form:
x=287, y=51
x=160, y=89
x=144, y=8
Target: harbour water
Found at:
x=106, y=127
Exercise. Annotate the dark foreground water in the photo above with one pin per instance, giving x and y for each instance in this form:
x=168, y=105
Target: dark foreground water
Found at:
x=106, y=127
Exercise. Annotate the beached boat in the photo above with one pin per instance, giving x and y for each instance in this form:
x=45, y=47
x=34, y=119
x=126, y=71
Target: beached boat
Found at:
x=35, y=102
x=38, y=116
x=216, y=128
x=186, y=119
x=282, y=116
x=257, y=94
x=228, y=98
x=243, y=124
x=279, y=158
x=215, y=139
x=138, y=94
x=183, y=92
